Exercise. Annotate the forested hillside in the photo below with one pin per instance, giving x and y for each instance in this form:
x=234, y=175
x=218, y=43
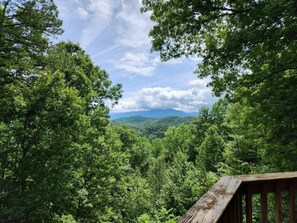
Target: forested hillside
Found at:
x=153, y=128
x=61, y=158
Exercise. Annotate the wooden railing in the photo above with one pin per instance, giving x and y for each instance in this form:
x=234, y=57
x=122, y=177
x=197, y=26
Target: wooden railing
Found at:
x=248, y=198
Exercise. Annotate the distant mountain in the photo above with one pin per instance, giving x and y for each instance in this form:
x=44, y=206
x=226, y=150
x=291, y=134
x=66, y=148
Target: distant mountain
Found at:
x=135, y=120
x=154, y=113
x=153, y=128
x=139, y=121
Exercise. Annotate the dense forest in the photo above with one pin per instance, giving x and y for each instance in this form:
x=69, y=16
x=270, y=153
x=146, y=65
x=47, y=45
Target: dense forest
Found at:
x=62, y=160
x=152, y=128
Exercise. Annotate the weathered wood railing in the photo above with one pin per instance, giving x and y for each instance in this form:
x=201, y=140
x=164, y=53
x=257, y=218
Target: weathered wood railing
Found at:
x=248, y=198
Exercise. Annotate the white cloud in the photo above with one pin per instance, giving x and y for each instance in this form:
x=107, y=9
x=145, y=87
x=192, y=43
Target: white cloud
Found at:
x=66, y=9
x=188, y=100
x=138, y=64
x=82, y=13
x=134, y=27
x=120, y=19
x=99, y=13
x=199, y=83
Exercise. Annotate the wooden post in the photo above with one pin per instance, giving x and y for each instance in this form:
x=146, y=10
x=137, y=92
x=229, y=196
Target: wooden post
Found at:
x=238, y=207
x=249, y=207
x=264, y=213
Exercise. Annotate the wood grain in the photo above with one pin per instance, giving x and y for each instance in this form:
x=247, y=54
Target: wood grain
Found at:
x=268, y=177
x=212, y=205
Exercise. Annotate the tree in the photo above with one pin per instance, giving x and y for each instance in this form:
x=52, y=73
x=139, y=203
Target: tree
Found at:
x=55, y=146
x=178, y=139
x=242, y=43
x=25, y=28
x=156, y=176
x=41, y=148
x=211, y=149
x=140, y=155
x=162, y=216
x=246, y=142
x=185, y=184
x=205, y=120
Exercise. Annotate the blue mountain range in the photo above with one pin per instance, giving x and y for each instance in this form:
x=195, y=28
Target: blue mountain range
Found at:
x=153, y=113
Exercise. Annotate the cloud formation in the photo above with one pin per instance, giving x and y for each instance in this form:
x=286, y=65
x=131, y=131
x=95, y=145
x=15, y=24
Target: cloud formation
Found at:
x=137, y=64
x=98, y=13
x=188, y=100
x=120, y=18
x=119, y=30
x=133, y=26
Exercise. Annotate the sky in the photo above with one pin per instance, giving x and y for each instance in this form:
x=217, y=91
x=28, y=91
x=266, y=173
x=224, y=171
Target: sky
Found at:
x=116, y=36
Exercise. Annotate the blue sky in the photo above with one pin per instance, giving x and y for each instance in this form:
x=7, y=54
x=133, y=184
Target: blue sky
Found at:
x=115, y=34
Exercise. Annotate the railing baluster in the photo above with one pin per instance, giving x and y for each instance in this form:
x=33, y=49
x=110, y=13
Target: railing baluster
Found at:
x=249, y=209
x=264, y=214
x=278, y=205
x=292, y=208
x=235, y=209
x=239, y=207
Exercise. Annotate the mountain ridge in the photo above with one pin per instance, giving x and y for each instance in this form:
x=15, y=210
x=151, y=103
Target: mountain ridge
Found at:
x=152, y=113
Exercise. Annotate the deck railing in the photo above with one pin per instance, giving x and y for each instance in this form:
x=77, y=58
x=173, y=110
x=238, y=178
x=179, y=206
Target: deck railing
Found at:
x=248, y=198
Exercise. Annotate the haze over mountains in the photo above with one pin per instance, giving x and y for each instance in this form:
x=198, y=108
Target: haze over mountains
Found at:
x=153, y=113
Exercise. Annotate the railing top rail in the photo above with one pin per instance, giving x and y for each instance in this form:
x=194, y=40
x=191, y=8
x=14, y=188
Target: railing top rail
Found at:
x=211, y=206
x=268, y=177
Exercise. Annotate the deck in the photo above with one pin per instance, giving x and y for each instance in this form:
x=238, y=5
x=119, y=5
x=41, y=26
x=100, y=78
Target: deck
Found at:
x=247, y=198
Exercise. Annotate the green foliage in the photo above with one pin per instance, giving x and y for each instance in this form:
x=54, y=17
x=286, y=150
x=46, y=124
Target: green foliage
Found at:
x=163, y=216
x=210, y=151
x=181, y=190
x=42, y=133
x=56, y=149
x=137, y=199
x=64, y=219
x=242, y=43
x=141, y=155
x=153, y=128
x=24, y=30
x=61, y=160
x=249, y=51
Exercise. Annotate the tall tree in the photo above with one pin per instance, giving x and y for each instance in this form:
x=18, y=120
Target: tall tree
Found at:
x=25, y=28
x=210, y=152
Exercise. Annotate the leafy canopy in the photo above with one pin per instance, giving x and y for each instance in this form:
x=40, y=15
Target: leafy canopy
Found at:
x=242, y=43
x=25, y=28
x=248, y=49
